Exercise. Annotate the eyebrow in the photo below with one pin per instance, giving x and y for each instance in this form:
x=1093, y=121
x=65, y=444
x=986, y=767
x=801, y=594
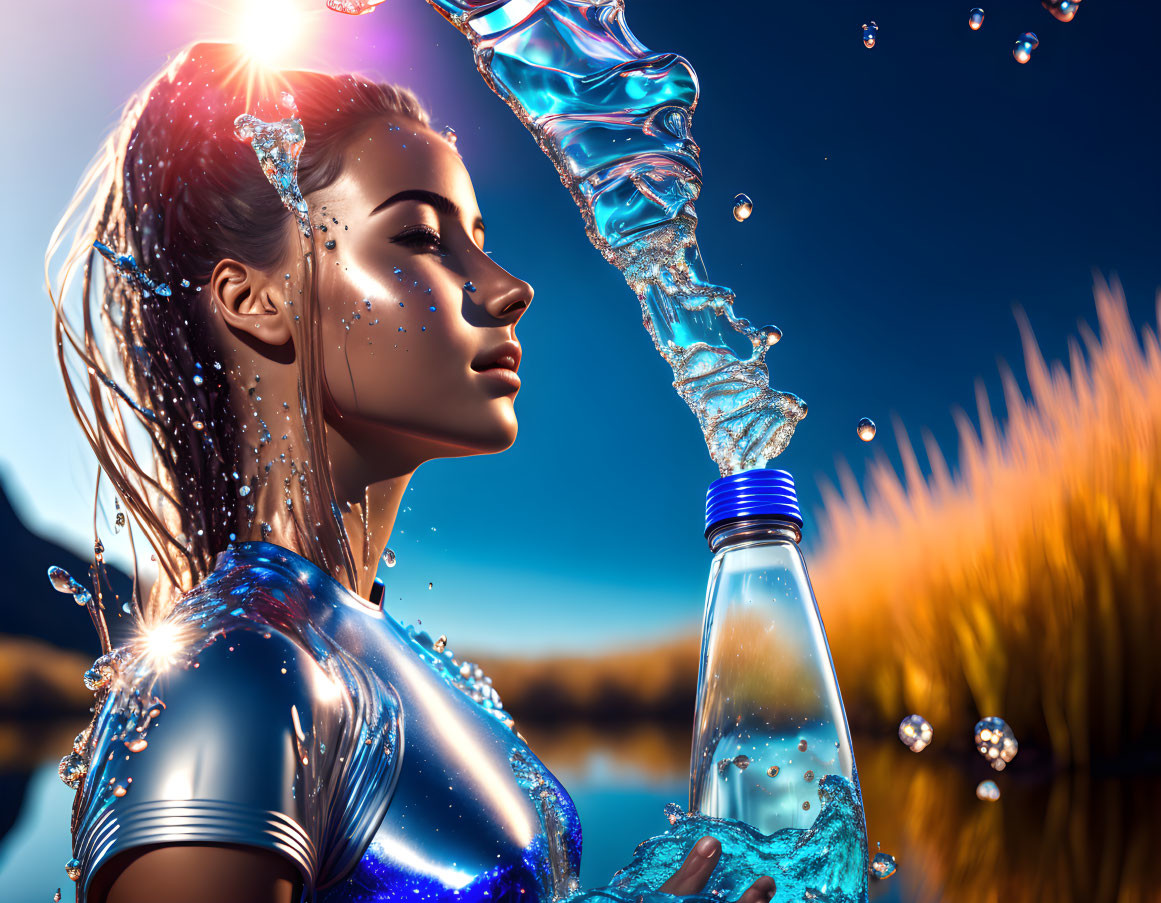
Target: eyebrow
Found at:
x=438, y=201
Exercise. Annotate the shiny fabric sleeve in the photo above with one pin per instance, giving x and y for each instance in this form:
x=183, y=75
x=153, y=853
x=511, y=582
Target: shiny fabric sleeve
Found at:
x=255, y=740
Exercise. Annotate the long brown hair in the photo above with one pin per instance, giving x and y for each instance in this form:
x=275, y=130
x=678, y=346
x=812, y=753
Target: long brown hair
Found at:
x=174, y=189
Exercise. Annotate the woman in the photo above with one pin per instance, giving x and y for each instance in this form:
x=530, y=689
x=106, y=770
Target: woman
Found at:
x=271, y=735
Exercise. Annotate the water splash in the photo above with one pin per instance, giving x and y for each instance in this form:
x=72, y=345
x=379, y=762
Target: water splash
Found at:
x=1062, y=10
x=976, y=19
x=126, y=265
x=1025, y=44
x=279, y=146
x=614, y=118
x=996, y=742
x=915, y=733
x=827, y=861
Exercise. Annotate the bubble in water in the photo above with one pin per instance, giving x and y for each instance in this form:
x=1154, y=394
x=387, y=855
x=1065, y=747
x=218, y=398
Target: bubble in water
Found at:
x=996, y=742
x=976, y=19
x=278, y=146
x=866, y=429
x=73, y=869
x=741, y=762
x=882, y=866
x=772, y=771
x=870, y=33
x=743, y=207
x=448, y=134
x=71, y=769
x=389, y=558
x=1062, y=10
x=988, y=791
x=353, y=7
x=915, y=732
x=64, y=582
x=1025, y=44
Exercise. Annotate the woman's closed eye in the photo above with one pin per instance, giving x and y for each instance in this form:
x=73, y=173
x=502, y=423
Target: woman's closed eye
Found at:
x=422, y=239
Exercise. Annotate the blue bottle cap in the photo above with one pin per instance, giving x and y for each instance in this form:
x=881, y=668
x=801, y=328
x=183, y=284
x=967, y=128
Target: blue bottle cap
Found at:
x=752, y=493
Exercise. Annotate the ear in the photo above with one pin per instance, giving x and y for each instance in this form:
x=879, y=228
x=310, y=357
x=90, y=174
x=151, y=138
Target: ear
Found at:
x=249, y=303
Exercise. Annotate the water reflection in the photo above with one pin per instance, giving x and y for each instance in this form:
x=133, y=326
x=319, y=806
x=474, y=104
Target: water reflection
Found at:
x=1069, y=838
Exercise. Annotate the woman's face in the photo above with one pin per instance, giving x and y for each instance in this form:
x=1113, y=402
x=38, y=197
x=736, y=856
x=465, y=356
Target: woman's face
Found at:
x=419, y=342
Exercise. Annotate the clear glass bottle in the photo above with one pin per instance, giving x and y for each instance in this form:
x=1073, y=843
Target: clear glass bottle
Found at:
x=769, y=722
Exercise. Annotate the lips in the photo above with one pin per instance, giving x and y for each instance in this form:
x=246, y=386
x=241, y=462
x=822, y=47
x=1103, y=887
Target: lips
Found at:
x=505, y=356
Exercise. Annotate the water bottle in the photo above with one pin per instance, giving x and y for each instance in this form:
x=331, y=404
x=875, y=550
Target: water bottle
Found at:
x=769, y=722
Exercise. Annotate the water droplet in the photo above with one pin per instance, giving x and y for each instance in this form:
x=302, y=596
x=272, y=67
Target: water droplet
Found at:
x=1025, y=44
x=73, y=869
x=770, y=335
x=1062, y=10
x=915, y=732
x=870, y=33
x=120, y=790
x=243, y=490
x=63, y=582
x=743, y=207
x=866, y=429
x=389, y=558
x=882, y=866
x=802, y=746
x=329, y=244
x=136, y=744
x=56, y=896
x=198, y=379
x=198, y=425
x=996, y=742
x=432, y=308
x=448, y=134
x=71, y=769
x=469, y=287
x=809, y=776
x=81, y=741
x=772, y=771
x=429, y=586
x=976, y=19
x=674, y=813
x=441, y=643
x=806, y=806
x=278, y=145
x=741, y=762
x=987, y=791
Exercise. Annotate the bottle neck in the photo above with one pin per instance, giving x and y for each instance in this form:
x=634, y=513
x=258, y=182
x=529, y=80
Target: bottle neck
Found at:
x=764, y=528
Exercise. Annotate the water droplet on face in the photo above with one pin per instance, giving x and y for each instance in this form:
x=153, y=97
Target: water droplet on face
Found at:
x=882, y=866
x=743, y=207
x=469, y=287
x=915, y=732
x=870, y=33
x=1025, y=44
x=389, y=558
x=987, y=791
x=996, y=742
x=866, y=429
x=802, y=746
x=329, y=244
x=741, y=762
x=73, y=869
x=772, y=771
x=976, y=19
x=1061, y=10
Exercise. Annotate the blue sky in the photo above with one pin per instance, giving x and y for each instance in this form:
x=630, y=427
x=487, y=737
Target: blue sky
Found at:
x=906, y=199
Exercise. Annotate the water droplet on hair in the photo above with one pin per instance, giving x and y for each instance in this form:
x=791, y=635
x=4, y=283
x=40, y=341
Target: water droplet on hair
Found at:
x=870, y=34
x=243, y=490
x=865, y=429
x=743, y=207
x=185, y=283
x=976, y=19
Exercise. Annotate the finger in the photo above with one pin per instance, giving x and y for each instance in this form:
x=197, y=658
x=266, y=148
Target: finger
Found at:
x=759, y=892
x=695, y=871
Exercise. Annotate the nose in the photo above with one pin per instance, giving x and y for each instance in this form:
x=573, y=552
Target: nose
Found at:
x=502, y=295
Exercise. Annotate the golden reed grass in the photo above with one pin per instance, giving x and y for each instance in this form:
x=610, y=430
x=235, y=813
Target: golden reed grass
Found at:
x=1029, y=584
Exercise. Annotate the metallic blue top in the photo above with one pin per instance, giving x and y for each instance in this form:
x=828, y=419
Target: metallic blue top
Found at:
x=752, y=493
x=276, y=709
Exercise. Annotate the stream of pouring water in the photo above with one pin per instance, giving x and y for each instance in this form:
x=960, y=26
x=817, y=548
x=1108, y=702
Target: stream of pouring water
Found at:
x=614, y=119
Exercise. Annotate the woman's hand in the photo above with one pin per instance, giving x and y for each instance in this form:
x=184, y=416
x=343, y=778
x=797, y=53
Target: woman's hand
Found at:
x=691, y=877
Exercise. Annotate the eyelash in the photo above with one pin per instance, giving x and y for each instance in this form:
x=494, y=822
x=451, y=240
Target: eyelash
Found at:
x=420, y=236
